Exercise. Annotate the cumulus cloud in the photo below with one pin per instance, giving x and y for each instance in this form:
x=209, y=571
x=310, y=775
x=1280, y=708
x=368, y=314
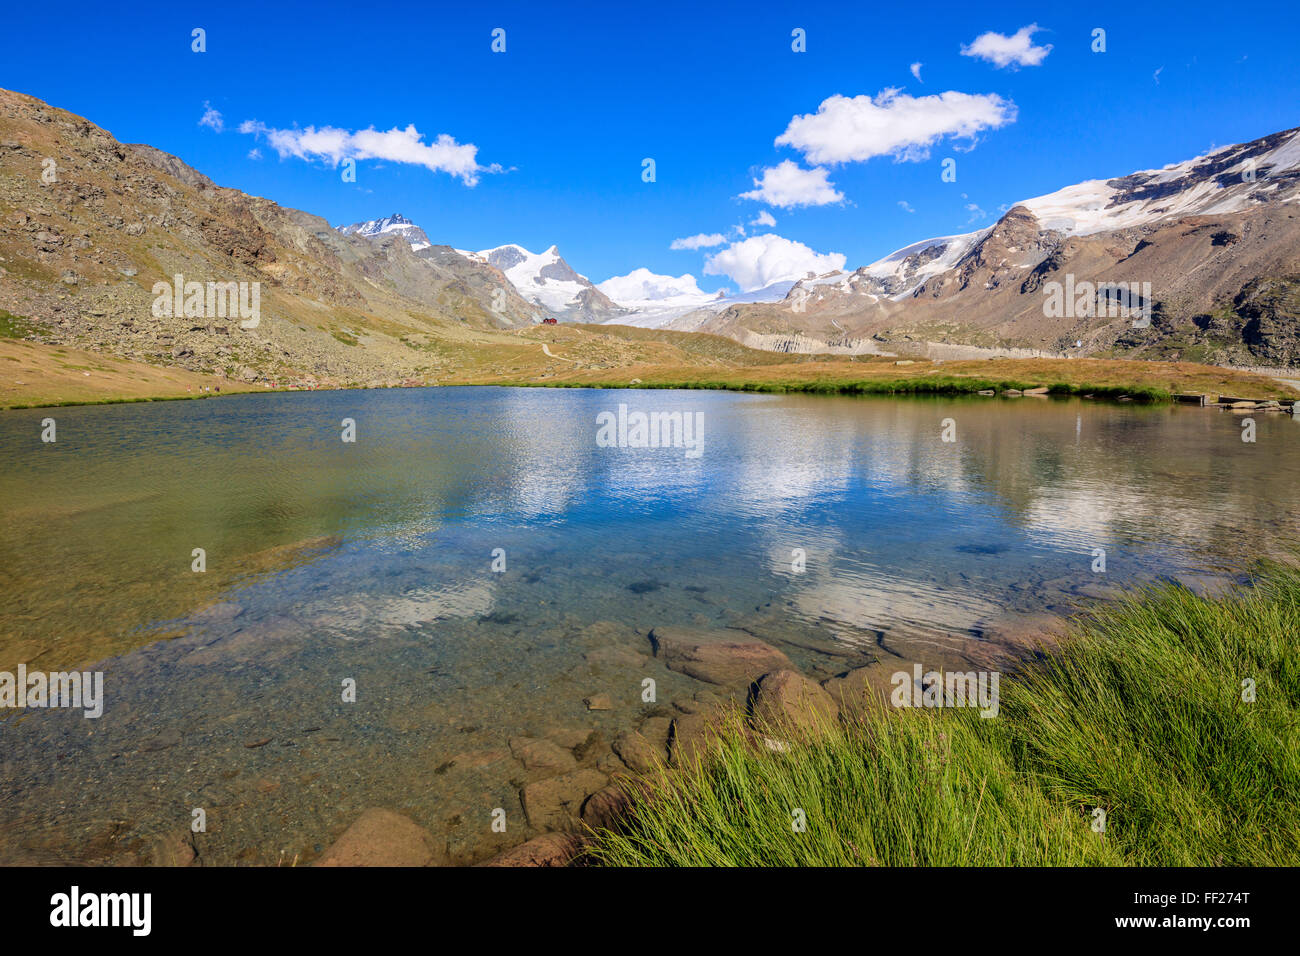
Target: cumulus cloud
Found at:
x=644, y=289
x=701, y=241
x=443, y=155
x=211, y=118
x=764, y=218
x=904, y=205
x=788, y=185
x=916, y=71
x=761, y=260
x=1002, y=51
x=853, y=129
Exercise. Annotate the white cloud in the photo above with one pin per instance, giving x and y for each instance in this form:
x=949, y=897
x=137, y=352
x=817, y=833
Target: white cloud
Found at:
x=443, y=155
x=904, y=205
x=1003, y=51
x=787, y=185
x=916, y=71
x=853, y=129
x=211, y=118
x=701, y=241
x=764, y=218
x=976, y=213
x=643, y=289
x=761, y=260
x=254, y=153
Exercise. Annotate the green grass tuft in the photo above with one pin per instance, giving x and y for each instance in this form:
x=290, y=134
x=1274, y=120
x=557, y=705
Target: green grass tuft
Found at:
x=1139, y=712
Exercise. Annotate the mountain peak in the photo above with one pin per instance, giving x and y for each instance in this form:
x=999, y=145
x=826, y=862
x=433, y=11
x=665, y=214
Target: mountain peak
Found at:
x=546, y=280
x=396, y=223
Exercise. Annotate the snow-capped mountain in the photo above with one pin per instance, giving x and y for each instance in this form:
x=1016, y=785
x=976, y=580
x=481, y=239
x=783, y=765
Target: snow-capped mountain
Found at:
x=1215, y=239
x=480, y=292
x=546, y=280
x=1229, y=179
x=396, y=224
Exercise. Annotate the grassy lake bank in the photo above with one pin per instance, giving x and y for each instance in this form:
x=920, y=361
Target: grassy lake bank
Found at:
x=1136, y=742
x=617, y=357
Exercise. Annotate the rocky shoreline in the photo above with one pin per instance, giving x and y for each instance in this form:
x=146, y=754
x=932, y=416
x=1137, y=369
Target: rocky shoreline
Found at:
x=741, y=677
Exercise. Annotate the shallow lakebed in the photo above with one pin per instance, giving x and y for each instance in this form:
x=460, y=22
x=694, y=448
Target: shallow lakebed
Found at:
x=844, y=532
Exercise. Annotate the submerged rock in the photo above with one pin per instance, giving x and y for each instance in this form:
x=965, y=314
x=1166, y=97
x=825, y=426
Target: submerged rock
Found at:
x=536, y=753
x=638, y=752
x=692, y=736
x=859, y=688
x=383, y=838
x=616, y=657
x=605, y=807
x=552, y=849
x=554, y=803
x=787, y=699
x=724, y=657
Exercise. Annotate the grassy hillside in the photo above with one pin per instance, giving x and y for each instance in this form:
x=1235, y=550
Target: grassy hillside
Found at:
x=41, y=375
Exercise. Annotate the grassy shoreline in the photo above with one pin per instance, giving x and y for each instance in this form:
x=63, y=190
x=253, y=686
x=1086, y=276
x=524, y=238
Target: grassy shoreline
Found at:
x=1139, y=712
x=620, y=358
x=1142, y=395
x=908, y=386
x=939, y=386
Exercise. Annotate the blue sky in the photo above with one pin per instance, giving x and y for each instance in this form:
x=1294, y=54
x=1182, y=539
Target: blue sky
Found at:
x=585, y=92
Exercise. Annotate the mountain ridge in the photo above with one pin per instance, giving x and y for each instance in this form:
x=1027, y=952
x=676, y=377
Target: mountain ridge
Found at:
x=81, y=255
x=1207, y=234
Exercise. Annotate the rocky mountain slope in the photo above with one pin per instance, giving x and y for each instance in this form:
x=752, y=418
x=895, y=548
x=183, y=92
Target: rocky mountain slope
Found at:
x=1211, y=246
x=89, y=228
x=543, y=279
